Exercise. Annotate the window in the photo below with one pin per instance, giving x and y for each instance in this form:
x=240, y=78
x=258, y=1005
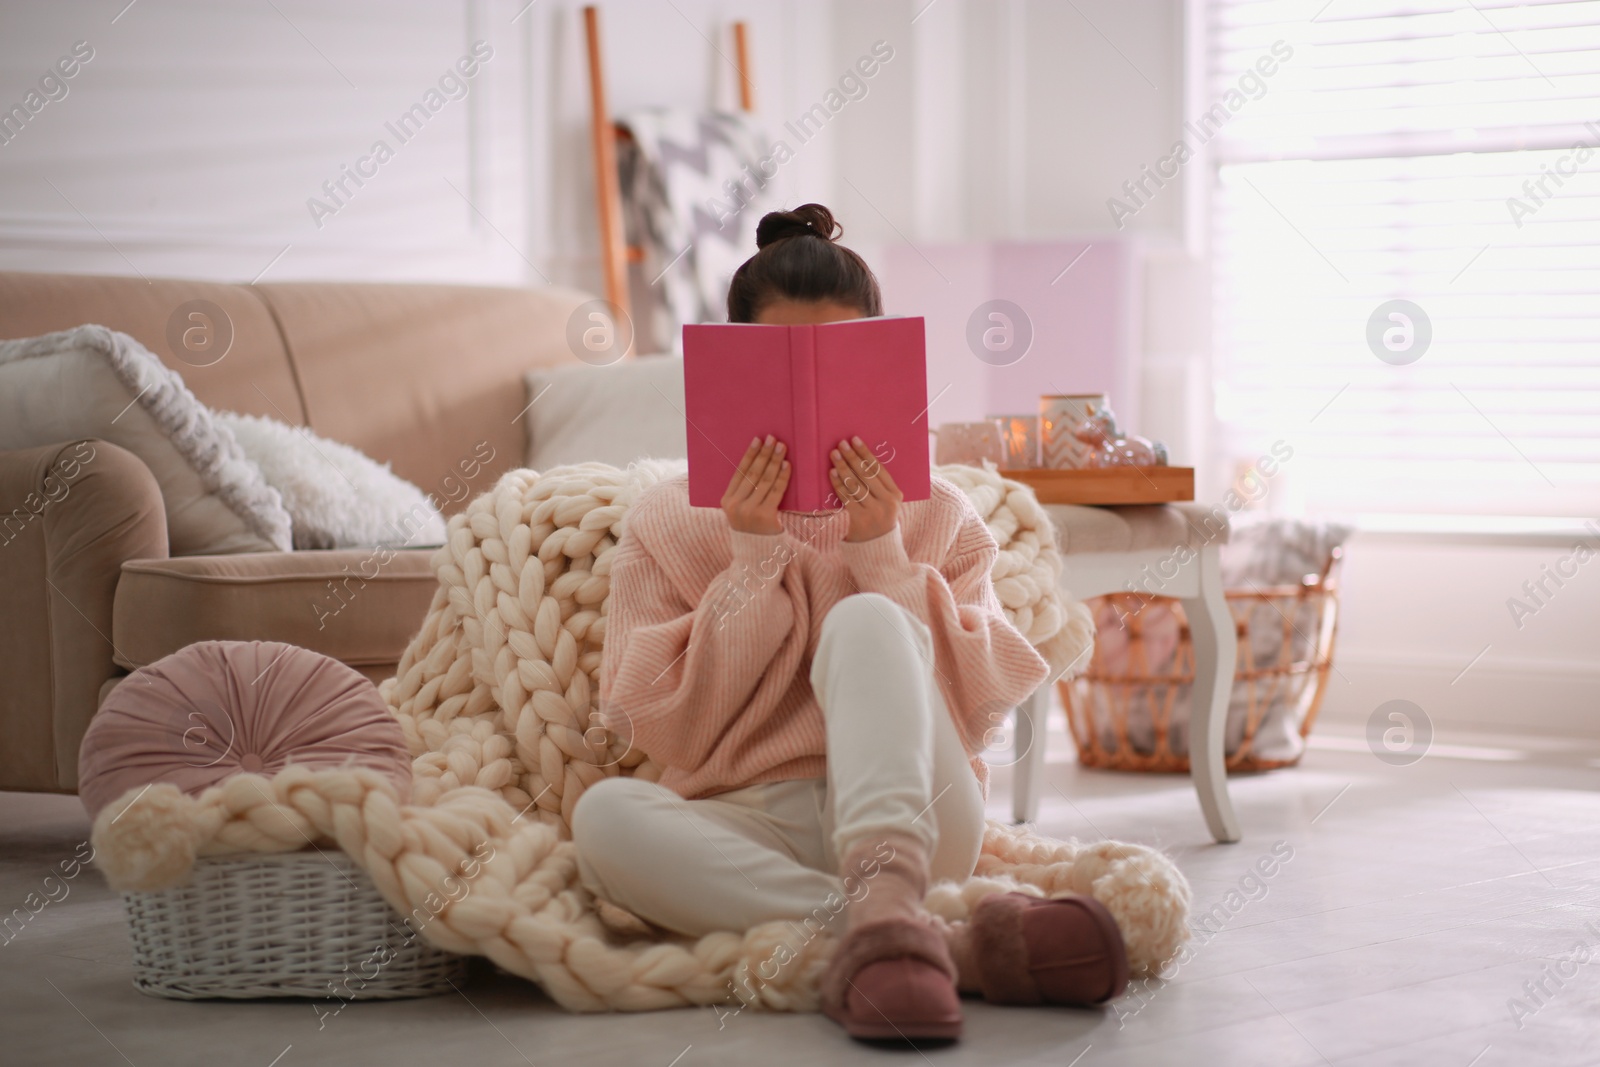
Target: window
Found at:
x=1442, y=154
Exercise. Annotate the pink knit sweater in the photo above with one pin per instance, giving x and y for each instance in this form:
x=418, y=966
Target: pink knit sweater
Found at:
x=710, y=632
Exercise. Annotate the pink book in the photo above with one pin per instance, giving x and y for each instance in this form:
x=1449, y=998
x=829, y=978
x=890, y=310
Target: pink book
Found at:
x=808, y=386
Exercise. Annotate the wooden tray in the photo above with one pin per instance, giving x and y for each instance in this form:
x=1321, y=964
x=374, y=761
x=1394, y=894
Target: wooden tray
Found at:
x=1113, y=485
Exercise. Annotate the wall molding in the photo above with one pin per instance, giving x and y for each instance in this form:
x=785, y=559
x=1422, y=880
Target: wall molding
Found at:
x=1437, y=662
x=1547, y=697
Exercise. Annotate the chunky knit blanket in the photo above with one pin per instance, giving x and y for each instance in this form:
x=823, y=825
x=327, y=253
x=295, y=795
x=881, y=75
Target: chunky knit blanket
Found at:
x=497, y=699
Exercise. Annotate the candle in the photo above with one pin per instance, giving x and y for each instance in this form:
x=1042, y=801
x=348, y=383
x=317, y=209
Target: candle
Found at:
x=1019, y=441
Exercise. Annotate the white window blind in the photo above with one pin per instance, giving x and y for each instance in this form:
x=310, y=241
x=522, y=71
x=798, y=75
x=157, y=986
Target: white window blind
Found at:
x=1398, y=154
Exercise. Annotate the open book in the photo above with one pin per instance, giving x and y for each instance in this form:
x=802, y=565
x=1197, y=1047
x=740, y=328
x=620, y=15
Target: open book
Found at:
x=808, y=386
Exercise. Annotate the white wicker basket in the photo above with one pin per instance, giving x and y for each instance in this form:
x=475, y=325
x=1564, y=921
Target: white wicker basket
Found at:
x=296, y=924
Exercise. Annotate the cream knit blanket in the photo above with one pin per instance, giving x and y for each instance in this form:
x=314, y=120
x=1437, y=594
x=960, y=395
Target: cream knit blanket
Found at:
x=497, y=698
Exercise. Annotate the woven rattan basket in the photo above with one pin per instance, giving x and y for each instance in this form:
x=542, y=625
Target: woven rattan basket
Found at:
x=1136, y=718
x=297, y=924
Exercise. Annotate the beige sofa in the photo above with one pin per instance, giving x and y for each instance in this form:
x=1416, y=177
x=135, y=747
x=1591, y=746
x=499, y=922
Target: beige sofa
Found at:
x=428, y=378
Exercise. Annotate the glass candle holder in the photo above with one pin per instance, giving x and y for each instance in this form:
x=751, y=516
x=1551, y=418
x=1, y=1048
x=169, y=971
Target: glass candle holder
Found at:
x=969, y=443
x=1019, y=441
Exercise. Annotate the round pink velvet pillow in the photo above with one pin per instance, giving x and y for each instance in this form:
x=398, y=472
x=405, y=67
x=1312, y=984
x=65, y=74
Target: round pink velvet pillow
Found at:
x=220, y=708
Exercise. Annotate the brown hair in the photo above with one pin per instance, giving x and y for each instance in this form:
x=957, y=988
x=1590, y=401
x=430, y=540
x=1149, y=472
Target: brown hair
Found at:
x=799, y=258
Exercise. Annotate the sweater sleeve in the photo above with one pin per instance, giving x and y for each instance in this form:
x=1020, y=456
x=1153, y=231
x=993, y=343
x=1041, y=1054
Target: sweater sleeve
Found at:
x=983, y=665
x=676, y=675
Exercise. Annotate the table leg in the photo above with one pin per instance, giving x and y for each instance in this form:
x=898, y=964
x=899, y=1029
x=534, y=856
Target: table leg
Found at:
x=1028, y=773
x=1215, y=655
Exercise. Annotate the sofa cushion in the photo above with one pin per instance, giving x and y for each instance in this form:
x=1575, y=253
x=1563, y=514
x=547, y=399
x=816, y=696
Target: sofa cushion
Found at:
x=608, y=414
x=360, y=606
x=1131, y=529
x=221, y=708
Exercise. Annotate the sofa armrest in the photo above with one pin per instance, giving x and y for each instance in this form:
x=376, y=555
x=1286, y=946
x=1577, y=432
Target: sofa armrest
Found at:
x=70, y=515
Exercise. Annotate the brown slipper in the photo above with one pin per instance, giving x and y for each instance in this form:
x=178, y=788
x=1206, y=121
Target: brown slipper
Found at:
x=893, y=980
x=1032, y=950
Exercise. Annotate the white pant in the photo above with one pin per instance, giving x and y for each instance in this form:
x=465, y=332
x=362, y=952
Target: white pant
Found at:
x=770, y=852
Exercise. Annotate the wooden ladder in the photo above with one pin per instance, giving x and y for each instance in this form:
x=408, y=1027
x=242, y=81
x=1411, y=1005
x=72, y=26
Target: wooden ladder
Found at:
x=615, y=252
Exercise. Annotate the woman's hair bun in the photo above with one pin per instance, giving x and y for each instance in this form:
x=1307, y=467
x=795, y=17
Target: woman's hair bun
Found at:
x=813, y=269
x=812, y=220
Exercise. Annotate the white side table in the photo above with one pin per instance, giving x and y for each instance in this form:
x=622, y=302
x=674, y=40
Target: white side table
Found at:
x=1166, y=550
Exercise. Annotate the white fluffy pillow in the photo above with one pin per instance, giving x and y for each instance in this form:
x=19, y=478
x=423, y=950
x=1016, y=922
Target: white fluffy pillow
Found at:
x=614, y=414
x=91, y=382
x=337, y=496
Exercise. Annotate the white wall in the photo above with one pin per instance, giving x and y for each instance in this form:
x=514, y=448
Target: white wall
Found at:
x=191, y=142
x=1427, y=620
x=1009, y=119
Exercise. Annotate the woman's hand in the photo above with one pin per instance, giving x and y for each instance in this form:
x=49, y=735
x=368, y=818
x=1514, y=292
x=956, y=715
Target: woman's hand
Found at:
x=751, y=502
x=871, y=498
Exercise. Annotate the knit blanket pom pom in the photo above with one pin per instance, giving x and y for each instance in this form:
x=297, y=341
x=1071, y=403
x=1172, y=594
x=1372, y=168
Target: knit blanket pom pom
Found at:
x=148, y=838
